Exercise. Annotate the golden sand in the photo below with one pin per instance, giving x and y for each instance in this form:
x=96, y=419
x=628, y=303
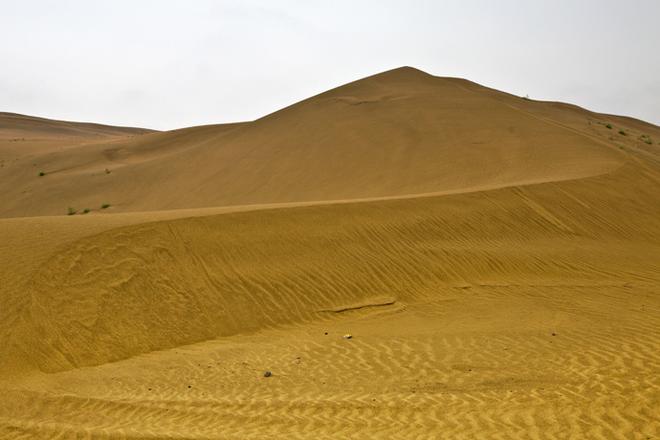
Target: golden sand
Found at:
x=496, y=261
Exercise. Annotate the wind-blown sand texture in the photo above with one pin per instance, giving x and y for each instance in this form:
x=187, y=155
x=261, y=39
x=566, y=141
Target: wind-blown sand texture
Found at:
x=495, y=259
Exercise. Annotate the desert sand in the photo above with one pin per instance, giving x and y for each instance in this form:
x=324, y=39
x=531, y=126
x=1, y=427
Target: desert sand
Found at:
x=496, y=261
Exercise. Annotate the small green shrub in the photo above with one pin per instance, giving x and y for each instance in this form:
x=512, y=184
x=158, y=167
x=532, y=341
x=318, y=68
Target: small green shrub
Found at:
x=608, y=126
x=86, y=211
x=41, y=174
x=71, y=211
x=646, y=138
x=622, y=133
x=105, y=206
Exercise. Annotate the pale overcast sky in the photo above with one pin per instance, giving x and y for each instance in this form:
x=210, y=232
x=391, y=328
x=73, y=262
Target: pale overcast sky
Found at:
x=168, y=64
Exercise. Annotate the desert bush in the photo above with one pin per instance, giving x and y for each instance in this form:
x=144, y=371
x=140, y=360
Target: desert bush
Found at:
x=646, y=138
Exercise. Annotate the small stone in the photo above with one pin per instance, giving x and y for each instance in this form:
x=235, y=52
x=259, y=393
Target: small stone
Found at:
x=347, y=336
x=267, y=374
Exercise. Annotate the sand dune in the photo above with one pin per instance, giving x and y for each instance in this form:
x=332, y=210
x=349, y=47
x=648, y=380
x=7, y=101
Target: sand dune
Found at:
x=396, y=133
x=494, y=258
x=28, y=128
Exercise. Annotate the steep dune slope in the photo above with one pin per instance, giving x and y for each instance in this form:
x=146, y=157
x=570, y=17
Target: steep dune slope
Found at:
x=400, y=132
x=147, y=287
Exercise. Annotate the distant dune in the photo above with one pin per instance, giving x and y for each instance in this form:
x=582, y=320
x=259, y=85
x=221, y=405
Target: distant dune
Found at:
x=494, y=259
x=22, y=128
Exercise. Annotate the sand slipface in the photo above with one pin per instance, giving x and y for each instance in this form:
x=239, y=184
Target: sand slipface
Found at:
x=493, y=260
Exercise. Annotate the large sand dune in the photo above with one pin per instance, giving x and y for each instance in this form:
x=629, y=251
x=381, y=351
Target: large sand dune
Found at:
x=496, y=259
x=397, y=133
